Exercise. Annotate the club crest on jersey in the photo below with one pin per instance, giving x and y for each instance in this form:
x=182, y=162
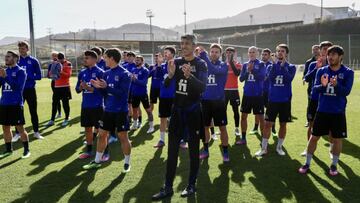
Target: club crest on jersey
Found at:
x=117, y=78
x=29, y=62
x=93, y=75
x=13, y=74
x=256, y=67
x=341, y=75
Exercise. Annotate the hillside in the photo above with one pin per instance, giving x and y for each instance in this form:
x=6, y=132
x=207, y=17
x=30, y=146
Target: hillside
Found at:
x=271, y=13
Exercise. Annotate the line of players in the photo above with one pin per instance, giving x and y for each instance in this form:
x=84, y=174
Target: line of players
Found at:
x=112, y=93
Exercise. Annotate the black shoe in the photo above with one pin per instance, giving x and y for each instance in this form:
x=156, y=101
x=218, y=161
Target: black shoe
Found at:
x=189, y=190
x=127, y=168
x=164, y=193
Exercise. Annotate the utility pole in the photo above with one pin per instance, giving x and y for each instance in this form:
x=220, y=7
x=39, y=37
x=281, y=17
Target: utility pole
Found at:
x=251, y=19
x=321, y=11
x=31, y=24
x=76, y=62
x=185, y=31
x=94, y=29
x=50, y=33
x=150, y=14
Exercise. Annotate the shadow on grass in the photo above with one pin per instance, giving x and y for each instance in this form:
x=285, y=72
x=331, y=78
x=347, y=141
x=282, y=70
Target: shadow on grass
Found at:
x=269, y=177
x=348, y=148
x=351, y=149
x=151, y=180
x=217, y=190
x=139, y=137
x=54, y=185
x=59, y=155
x=277, y=178
x=44, y=132
x=346, y=189
x=9, y=163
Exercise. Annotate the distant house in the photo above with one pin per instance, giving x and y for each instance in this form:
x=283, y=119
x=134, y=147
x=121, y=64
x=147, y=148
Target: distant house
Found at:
x=342, y=12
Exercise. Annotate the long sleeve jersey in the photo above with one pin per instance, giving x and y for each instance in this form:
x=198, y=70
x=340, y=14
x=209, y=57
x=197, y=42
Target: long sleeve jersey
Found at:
x=33, y=70
x=13, y=86
x=332, y=99
x=90, y=99
x=189, y=91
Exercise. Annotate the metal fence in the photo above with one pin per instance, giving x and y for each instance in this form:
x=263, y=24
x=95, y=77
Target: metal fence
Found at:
x=300, y=45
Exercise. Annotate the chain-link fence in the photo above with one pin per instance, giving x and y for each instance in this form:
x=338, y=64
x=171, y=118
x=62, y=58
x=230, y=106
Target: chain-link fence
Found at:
x=300, y=45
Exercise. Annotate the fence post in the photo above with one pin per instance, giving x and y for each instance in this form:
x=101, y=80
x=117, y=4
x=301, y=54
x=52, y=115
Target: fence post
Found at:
x=255, y=40
x=349, y=49
x=288, y=43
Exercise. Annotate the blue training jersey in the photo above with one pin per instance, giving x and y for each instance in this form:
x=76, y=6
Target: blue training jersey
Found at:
x=139, y=85
x=90, y=99
x=13, y=86
x=33, y=70
x=280, y=78
x=254, y=81
x=333, y=99
x=101, y=64
x=266, y=80
x=156, y=76
x=166, y=92
x=310, y=77
x=117, y=90
x=217, y=76
x=129, y=66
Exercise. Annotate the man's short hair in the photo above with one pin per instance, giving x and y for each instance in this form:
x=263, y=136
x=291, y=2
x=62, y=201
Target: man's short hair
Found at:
x=189, y=37
x=61, y=55
x=54, y=53
x=23, y=44
x=97, y=50
x=171, y=49
x=253, y=47
x=336, y=49
x=91, y=53
x=131, y=54
x=102, y=50
x=216, y=45
x=267, y=50
x=232, y=49
x=284, y=46
x=315, y=46
x=140, y=57
x=13, y=54
x=325, y=44
x=114, y=53
x=158, y=54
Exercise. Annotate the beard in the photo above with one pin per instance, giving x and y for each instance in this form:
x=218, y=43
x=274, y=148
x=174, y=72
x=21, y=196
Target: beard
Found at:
x=8, y=63
x=334, y=63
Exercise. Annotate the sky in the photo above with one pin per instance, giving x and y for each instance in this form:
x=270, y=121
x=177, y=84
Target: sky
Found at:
x=73, y=15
